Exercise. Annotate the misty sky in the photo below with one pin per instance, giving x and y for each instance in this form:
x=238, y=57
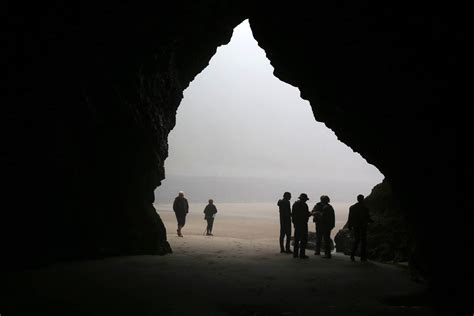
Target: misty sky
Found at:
x=238, y=120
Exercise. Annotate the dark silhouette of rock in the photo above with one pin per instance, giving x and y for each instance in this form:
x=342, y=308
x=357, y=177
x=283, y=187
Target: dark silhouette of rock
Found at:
x=388, y=238
x=344, y=240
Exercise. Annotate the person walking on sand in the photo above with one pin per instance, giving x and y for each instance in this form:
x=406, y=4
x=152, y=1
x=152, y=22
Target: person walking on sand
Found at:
x=359, y=218
x=300, y=215
x=180, y=208
x=209, y=212
x=328, y=222
x=317, y=216
x=285, y=222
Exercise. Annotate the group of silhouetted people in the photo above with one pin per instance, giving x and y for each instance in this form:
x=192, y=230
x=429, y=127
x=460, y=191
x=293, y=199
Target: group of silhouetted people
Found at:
x=181, y=209
x=324, y=219
x=298, y=214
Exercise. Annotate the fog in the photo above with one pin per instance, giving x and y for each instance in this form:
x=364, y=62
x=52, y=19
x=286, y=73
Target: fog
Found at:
x=243, y=135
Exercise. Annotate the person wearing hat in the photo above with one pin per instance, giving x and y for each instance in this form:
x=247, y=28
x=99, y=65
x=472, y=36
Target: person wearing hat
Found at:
x=300, y=215
x=285, y=222
x=328, y=222
x=180, y=208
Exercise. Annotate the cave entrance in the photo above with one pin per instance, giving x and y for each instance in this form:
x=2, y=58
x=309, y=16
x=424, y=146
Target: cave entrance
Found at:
x=243, y=137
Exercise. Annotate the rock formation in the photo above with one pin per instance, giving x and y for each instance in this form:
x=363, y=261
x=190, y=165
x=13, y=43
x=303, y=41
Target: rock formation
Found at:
x=388, y=237
x=93, y=90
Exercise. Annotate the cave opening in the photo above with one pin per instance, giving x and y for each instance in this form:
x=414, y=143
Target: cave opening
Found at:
x=243, y=137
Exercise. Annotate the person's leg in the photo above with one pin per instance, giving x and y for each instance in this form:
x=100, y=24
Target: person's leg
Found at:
x=211, y=224
x=296, y=241
x=282, y=235
x=327, y=243
x=178, y=221
x=304, y=241
x=363, y=244
x=288, y=237
x=319, y=237
x=356, y=243
x=208, y=226
x=181, y=221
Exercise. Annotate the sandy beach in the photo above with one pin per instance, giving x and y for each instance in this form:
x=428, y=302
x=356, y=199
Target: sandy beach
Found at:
x=219, y=275
x=240, y=220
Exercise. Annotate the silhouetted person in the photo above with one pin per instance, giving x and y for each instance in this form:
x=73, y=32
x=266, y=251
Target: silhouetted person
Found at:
x=285, y=222
x=317, y=216
x=209, y=212
x=328, y=222
x=180, y=208
x=359, y=218
x=300, y=215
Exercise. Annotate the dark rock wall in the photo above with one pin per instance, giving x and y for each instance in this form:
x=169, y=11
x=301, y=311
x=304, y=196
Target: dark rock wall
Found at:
x=388, y=80
x=93, y=90
x=388, y=236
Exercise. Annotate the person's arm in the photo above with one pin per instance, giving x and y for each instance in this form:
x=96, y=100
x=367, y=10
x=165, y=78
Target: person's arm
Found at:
x=186, y=205
x=350, y=218
x=333, y=218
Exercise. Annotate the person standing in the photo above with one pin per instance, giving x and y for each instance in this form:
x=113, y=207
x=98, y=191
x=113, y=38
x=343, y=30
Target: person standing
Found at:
x=209, y=212
x=317, y=216
x=300, y=215
x=180, y=208
x=359, y=218
x=285, y=222
x=328, y=222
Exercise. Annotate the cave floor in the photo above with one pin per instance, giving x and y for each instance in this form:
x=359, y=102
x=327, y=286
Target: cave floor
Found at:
x=212, y=276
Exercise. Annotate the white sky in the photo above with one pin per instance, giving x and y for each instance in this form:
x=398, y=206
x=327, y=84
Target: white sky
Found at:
x=238, y=120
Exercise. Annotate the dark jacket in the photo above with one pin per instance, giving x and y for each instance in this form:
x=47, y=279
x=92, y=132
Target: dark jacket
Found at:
x=359, y=216
x=328, y=220
x=318, y=213
x=285, y=209
x=209, y=211
x=180, y=205
x=300, y=213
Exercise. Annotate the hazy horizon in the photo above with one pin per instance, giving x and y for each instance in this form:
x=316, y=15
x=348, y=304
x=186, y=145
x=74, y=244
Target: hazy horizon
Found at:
x=241, y=135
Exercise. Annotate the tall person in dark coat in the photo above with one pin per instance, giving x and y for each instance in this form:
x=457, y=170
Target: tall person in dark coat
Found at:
x=285, y=222
x=180, y=208
x=317, y=217
x=328, y=221
x=209, y=212
x=359, y=218
x=300, y=215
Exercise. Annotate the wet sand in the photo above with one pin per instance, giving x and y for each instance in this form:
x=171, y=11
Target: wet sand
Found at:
x=220, y=275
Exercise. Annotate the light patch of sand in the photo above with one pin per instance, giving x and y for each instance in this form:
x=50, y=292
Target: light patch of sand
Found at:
x=225, y=226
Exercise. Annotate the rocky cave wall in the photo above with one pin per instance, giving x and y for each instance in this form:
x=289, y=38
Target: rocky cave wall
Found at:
x=93, y=91
x=382, y=77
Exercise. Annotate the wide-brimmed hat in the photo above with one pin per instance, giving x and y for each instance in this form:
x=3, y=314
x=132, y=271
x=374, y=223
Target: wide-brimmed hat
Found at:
x=304, y=196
